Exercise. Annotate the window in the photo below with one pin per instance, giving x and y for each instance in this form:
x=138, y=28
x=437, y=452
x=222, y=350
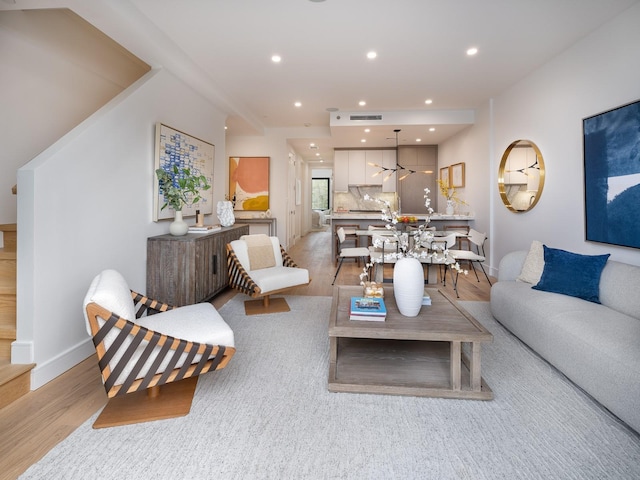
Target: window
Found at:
x=320, y=194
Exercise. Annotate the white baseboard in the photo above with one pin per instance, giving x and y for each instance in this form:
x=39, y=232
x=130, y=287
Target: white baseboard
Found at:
x=46, y=371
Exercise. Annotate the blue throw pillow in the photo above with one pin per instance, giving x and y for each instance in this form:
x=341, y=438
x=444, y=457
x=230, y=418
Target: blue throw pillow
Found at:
x=572, y=274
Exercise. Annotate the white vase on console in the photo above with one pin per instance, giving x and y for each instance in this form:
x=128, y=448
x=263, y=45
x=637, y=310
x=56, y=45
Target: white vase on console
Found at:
x=178, y=227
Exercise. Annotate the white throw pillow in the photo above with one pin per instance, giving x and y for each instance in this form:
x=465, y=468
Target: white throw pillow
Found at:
x=533, y=264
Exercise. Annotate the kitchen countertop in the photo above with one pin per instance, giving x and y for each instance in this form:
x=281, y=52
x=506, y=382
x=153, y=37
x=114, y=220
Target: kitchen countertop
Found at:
x=377, y=216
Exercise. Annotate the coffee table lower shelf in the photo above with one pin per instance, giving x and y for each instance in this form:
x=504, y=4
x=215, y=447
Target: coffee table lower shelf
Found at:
x=400, y=367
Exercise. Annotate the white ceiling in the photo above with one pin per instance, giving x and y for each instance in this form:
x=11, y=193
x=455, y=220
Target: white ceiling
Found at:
x=224, y=48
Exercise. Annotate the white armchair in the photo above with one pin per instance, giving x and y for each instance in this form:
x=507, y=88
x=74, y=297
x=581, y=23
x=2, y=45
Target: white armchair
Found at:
x=138, y=354
x=260, y=267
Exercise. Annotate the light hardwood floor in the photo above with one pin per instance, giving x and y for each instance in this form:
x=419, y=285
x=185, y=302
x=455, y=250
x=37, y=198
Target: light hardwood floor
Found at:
x=35, y=423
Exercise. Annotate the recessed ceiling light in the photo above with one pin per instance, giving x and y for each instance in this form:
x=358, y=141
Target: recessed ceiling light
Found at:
x=276, y=58
x=367, y=130
x=297, y=104
x=428, y=101
x=362, y=103
x=317, y=154
x=418, y=139
x=472, y=51
x=371, y=55
x=432, y=129
x=364, y=140
x=312, y=145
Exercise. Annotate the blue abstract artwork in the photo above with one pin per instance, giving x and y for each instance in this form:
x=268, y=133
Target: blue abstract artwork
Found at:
x=612, y=176
x=175, y=148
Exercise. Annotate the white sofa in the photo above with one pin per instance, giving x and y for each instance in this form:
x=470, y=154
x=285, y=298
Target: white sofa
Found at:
x=597, y=346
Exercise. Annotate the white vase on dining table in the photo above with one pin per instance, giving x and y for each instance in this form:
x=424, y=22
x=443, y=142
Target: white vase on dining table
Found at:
x=408, y=285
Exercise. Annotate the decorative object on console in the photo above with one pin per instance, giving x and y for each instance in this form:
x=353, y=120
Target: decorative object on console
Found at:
x=249, y=183
x=225, y=213
x=612, y=176
x=180, y=188
x=188, y=163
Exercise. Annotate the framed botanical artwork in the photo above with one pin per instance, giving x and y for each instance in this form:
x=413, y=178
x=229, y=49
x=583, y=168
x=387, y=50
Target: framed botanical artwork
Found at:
x=179, y=149
x=249, y=183
x=457, y=175
x=612, y=176
x=444, y=176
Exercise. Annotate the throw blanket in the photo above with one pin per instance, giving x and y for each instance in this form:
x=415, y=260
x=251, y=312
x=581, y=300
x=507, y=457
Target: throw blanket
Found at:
x=260, y=250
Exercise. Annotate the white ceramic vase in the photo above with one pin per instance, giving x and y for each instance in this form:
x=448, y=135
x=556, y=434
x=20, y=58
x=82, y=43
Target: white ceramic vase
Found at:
x=450, y=207
x=178, y=227
x=408, y=285
x=225, y=213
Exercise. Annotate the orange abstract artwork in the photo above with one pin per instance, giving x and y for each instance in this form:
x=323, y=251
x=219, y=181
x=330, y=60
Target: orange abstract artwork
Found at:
x=249, y=182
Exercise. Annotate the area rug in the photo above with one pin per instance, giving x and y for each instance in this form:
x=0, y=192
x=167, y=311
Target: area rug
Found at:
x=268, y=415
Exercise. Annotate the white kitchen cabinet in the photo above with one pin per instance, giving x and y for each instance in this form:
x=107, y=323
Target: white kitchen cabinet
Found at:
x=357, y=164
x=341, y=171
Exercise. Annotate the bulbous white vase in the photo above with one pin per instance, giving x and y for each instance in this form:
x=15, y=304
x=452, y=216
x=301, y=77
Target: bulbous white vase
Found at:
x=451, y=208
x=408, y=285
x=225, y=213
x=178, y=227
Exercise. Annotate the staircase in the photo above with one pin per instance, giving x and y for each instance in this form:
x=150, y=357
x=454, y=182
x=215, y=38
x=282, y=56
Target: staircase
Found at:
x=14, y=379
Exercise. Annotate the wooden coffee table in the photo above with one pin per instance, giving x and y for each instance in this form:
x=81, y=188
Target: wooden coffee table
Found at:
x=436, y=354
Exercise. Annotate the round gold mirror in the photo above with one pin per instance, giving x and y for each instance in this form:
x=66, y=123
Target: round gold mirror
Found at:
x=521, y=176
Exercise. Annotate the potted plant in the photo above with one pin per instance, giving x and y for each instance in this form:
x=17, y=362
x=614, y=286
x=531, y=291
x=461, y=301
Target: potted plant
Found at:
x=180, y=187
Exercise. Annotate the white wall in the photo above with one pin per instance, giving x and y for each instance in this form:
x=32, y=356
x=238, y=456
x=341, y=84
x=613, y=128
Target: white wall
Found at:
x=85, y=204
x=56, y=71
x=547, y=107
x=274, y=145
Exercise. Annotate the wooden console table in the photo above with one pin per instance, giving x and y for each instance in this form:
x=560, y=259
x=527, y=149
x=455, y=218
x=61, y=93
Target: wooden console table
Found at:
x=189, y=269
x=272, y=223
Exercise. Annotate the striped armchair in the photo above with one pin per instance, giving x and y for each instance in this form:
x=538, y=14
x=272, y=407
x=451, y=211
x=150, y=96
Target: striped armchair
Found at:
x=143, y=344
x=260, y=283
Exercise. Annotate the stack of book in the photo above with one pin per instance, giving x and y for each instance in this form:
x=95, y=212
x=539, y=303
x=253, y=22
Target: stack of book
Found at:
x=204, y=228
x=368, y=309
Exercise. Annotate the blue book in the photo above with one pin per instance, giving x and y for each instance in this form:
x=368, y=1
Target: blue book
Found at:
x=371, y=309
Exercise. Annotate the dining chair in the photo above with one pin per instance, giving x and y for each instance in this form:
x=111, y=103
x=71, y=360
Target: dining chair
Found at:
x=474, y=256
x=464, y=229
x=349, y=233
x=356, y=253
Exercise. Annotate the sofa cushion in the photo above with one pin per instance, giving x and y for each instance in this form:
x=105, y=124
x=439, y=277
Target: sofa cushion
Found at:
x=572, y=274
x=533, y=264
